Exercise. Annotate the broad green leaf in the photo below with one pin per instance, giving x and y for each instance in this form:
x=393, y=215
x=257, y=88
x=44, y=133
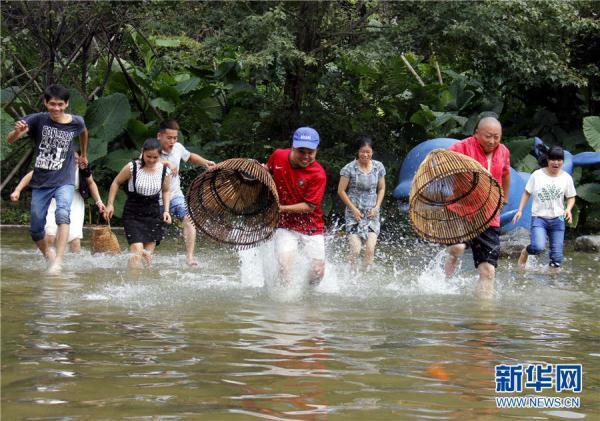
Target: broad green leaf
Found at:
x=460, y=120
x=169, y=93
x=469, y=127
x=187, y=85
x=77, y=103
x=589, y=192
x=163, y=104
x=519, y=148
x=116, y=160
x=167, y=42
x=593, y=213
x=210, y=106
x=224, y=68
x=527, y=164
x=7, y=124
x=107, y=117
x=117, y=81
x=138, y=131
x=8, y=94
x=591, y=129
x=96, y=148
x=423, y=117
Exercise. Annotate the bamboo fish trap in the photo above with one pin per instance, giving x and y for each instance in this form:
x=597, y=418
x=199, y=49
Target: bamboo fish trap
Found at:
x=235, y=202
x=104, y=240
x=453, y=198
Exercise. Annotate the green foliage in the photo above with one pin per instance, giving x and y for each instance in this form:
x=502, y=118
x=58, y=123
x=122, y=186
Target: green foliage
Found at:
x=520, y=150
x=589, y=192
x=7, y=124
x=77, y=103
x=240, y=76
x=591, y=130
x=106, y=119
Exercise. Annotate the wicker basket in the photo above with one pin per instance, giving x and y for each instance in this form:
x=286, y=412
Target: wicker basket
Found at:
x=235, y=202
x=104, y=240
x=453, y=198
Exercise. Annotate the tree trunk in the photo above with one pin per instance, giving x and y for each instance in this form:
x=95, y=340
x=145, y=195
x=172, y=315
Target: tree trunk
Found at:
x=308, y=23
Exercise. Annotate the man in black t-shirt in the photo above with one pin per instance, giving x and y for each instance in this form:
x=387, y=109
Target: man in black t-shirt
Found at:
x=53, y=177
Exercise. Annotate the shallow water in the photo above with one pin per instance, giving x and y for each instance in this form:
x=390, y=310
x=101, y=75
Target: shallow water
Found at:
x=216, y=343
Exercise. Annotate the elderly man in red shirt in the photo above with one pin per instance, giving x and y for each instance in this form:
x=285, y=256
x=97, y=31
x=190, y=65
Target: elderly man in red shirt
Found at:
x=485, y=148
x=300, y=182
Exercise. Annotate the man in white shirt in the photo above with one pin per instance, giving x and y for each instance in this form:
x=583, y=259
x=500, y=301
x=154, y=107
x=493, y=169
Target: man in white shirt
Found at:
x=171, y=154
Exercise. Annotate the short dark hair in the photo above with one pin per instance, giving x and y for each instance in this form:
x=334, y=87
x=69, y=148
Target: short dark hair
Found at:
x=56, y=91
x=168, y=124
x=363, y=140
x=554, y=153
x=149, y=144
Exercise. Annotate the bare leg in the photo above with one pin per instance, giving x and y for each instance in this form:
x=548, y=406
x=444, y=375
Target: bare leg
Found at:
x=135, y=258
x=355, y=246
x=286, y=262
x=554, y=269
x=75, y=245
x=369, y=250
x=50, y=240
x=62, y=233
x=487, y=274
x=147, y=253
x=454, y=252
x=189, y=236
x=46, y=250
x=523, y=258
x=317, y=270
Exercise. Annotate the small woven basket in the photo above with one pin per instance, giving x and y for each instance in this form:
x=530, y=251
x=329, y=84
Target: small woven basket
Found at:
x=104, y=240
x=453, y=198
x=235, y=202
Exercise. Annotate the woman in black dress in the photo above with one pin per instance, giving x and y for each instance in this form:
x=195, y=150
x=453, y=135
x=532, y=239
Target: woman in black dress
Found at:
x=146, y=178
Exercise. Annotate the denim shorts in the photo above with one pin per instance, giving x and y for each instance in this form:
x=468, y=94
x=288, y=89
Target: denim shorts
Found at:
x=177, y=207
x=40, y=202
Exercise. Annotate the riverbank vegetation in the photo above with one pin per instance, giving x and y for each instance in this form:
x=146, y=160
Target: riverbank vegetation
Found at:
x=241, y=76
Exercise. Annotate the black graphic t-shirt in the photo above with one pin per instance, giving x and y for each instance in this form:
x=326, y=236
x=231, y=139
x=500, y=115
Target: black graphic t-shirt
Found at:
x=54, y=158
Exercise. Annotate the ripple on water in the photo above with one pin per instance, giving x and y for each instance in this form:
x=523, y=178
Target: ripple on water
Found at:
x=227, y=340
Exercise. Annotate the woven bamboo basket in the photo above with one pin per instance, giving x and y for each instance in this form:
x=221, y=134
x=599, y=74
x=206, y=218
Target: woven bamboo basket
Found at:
x=453, y=198
x=104, y=240
x=235, y=202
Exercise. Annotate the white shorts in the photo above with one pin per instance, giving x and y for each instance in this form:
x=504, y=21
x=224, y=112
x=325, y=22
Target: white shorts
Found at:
x=77, y=215
x=287, y=241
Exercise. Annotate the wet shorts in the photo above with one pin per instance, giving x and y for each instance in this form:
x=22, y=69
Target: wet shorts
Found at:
x=486, y=247
x=177, y=207
x=287, y=241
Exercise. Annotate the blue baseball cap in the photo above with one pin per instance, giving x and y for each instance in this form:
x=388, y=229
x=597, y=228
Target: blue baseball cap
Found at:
x=305, y=137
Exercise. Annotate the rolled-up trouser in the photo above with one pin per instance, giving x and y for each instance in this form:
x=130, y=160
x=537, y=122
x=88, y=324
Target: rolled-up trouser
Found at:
x=40, y=202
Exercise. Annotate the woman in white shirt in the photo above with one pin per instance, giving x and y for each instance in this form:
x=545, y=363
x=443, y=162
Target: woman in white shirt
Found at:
x=549, y=186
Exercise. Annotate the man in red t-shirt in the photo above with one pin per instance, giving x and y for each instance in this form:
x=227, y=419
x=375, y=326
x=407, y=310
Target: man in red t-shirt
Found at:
x=300, y=182
x=486, y=149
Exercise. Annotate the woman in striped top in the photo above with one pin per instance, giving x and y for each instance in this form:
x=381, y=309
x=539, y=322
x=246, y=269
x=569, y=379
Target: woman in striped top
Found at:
x=146, y=179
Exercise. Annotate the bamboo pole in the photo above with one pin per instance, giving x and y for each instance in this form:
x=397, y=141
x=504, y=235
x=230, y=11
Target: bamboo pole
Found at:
x=438, y=72
x=412, y=70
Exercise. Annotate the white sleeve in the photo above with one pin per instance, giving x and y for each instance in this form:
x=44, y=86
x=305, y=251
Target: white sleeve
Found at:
x=570, y=190
x=530, y=183
x=185, y=154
